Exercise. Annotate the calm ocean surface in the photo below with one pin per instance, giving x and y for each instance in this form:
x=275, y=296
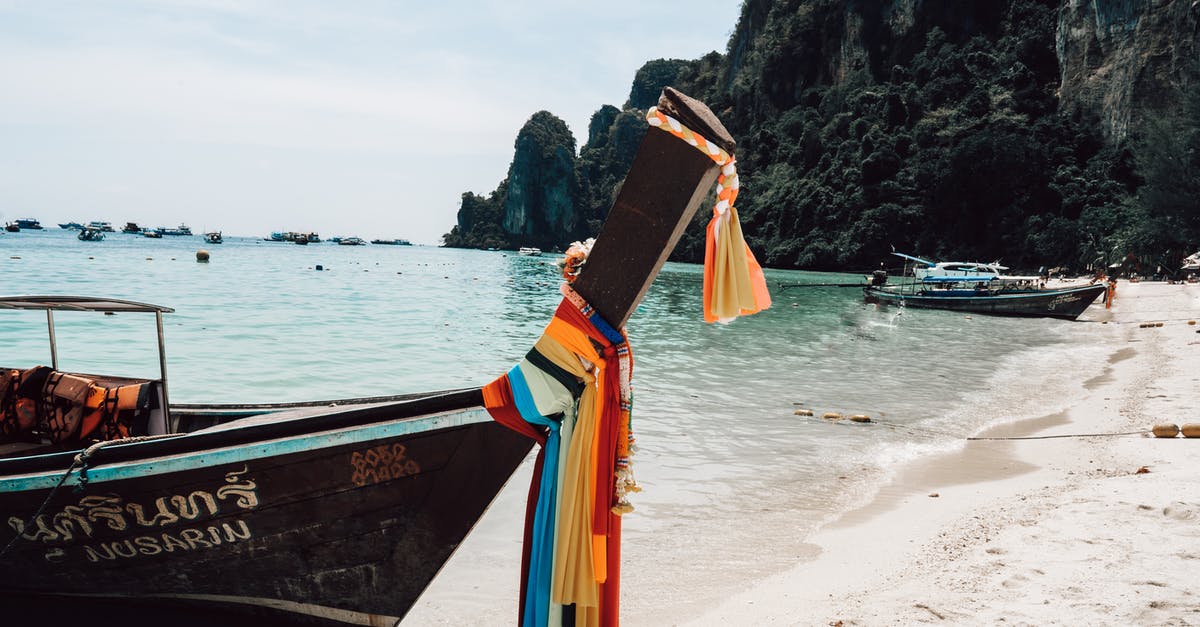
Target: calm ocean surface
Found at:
x=731, y=475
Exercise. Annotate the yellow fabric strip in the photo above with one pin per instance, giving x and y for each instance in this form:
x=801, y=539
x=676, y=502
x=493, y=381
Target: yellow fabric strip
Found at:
x=573, y=564
x=587, y=617
x=732, y=291
x=574, y=570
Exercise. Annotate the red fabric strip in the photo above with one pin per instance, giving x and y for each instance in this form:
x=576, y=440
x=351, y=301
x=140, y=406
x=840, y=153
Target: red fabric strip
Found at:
x=498, y=399
x=610, y=591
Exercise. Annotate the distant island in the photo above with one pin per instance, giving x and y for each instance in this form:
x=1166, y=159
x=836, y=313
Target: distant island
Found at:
x=1043, y=134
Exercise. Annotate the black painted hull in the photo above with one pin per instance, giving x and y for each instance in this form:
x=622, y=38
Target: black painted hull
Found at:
x=343, y=517
x=1064, y=303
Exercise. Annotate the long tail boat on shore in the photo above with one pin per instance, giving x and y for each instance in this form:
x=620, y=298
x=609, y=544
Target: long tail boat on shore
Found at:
x=116, y=504
x=981, y=288
x=977, y=295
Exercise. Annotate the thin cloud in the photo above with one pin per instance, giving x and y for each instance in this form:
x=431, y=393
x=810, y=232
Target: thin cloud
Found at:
x=265, y=113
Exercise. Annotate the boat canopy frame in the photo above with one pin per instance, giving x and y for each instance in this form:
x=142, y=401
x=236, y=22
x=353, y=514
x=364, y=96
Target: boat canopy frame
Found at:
x=50, y=304
x=915, y=259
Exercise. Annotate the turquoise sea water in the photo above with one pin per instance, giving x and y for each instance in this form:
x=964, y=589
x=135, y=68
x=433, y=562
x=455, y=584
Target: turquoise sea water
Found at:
x=732, y=476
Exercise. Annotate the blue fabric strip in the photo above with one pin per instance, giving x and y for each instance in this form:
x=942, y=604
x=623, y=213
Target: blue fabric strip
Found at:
x=614, y=336
x=541, y=554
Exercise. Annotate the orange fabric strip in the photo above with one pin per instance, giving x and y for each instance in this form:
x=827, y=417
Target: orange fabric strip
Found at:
x=498, y=400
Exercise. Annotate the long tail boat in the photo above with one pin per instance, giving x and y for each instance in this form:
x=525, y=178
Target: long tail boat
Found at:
x=973, y=295
x=318, y=513
x=980, y=288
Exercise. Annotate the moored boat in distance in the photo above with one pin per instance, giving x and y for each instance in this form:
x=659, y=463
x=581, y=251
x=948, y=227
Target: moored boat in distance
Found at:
x=152, y=233
x=529, y=251
x=131, y=228
x=295, y=237
x=213, y=237
x=105, y=227
x=70, y=226
x=392, y=242
x=12, y=227
x=333, y=513
x=29, y=224
x=180, y=230
x=90, y=234
x=351, y=241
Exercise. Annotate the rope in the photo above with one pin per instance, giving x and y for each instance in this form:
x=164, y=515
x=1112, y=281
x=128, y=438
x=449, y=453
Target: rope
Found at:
x=1138, y=321
x=42, y=508
x=83, y=457
x=915, y=428
x=787, y=285
x=734, y=284
x=80, y=461
x=930, y=431
x=1067, y=435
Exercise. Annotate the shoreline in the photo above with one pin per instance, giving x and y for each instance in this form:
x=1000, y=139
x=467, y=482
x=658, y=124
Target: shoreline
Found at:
x=1015, y=530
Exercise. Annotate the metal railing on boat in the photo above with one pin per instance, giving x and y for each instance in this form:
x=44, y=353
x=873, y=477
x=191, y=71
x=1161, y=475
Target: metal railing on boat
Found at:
x=50, y=304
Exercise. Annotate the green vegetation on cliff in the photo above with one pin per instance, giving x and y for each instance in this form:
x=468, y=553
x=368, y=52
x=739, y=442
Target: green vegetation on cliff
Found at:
x=931, y=127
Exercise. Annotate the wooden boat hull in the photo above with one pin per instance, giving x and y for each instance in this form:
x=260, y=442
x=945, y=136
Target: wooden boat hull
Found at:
x=1065, y=303
x=337, y=518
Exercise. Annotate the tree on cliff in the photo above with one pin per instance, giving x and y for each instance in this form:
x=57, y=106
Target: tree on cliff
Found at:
x=550, y=197
x=934, y=127
x=1168, y=159
x=534, y=205
x=479, y=222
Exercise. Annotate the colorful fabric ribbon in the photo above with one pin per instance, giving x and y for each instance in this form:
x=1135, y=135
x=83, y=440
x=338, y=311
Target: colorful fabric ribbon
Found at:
x=572, y=394
x=733, y=281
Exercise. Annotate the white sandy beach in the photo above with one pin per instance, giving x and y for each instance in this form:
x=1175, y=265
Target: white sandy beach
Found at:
x=1029, y=532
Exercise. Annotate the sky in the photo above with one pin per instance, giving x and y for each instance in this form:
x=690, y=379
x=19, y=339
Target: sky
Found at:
x=364, y=118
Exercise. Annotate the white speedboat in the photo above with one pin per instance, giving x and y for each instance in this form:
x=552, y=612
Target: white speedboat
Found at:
x=923, y=268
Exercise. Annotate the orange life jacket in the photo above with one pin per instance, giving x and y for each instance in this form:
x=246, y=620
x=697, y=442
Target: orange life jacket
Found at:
x=65, y=407
x=25, y=404
x=63, y=401
x=109, y=410
x=9, y=380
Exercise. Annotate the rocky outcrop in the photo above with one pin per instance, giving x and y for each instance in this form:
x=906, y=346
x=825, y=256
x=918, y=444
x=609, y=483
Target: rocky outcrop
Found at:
x=984, y=128
x=1117, y=59
x=539, y=208
x=1124, y=59
x=598, y=127
x=650, y=79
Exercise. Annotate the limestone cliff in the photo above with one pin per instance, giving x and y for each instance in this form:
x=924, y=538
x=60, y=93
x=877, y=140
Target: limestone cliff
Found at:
x=990, y=128
x=1115, y=58
x=1124, y=59
x=539, y=209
